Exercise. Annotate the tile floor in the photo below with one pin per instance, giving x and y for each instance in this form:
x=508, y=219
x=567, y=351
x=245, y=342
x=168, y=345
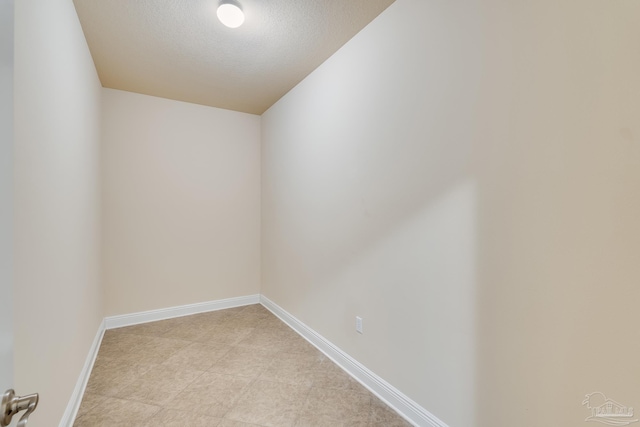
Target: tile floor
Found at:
x=228, y=368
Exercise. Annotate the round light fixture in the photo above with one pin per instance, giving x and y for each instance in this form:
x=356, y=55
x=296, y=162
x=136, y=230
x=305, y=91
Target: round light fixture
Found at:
x=230, y=15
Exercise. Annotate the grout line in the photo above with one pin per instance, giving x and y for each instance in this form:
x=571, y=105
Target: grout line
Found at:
x=272, y=358
x=392, y=397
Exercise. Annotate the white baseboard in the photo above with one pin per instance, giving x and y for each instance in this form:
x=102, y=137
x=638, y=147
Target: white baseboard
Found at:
x=113, y=322
x=71, y=412
x=133, y=319
x=404, y=406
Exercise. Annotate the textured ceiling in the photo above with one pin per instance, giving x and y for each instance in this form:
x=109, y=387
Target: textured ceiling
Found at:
x=178, y=49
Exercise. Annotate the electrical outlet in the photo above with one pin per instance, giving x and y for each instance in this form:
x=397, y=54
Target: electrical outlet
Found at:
x=359, y=324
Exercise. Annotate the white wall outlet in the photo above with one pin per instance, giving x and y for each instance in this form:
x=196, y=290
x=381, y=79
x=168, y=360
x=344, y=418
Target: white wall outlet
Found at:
x=359, y=324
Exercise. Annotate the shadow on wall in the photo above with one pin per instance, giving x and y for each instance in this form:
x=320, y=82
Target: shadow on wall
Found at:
x=369, y=205
x=415, y=286
x=378, y=220
x=464, y=177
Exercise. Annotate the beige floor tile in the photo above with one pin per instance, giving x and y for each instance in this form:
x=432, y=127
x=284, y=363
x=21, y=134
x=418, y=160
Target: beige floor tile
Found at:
x=269, y=340
x=89, y=401
x=173, y=418
x=292, y=369
x=154, y=329
x=212, y=317
x=246, y=321
x=154, y=350
x=109, y=376
x=331, y=376
x=302, y=346
x=198, y=356
x=269, y=403
x=189, y=331
x=254, y=309
x=117, y=412
x=287, y=334
x=273, y=323
x=252, y=316
x=115, y=343
x=240, y=367
x=159, y=385
x=330, y=407
x=243, y=362
x=141, y=349
x=232, y=423
x=234, y=310
x=383, y=416
x=226, y=333
x=211, y=394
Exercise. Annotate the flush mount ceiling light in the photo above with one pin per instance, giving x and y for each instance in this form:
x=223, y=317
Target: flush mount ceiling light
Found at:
x=230, y=15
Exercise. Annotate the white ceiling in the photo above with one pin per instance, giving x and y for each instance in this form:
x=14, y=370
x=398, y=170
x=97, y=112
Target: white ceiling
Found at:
x=178, y=49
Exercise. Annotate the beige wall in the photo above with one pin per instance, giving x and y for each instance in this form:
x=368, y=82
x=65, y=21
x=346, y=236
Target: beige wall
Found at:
x=6, y=193
x=558, y=172
x=181, y=203
x=465, y=176
x=58, y=296
x=462, y=175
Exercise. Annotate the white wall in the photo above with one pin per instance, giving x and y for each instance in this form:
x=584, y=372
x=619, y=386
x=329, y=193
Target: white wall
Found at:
x=369, y=208
x=465, y=176
x=58, y=296
x=6, y=194
x=181, y=203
